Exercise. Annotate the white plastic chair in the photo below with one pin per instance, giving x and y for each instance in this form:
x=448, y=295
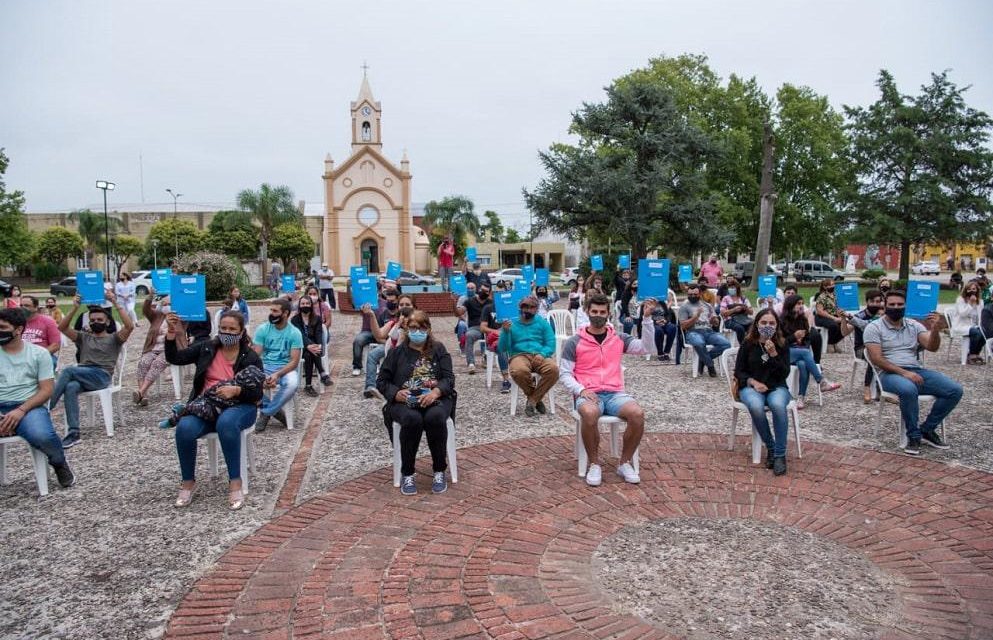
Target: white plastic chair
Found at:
x=564, y=323
x=738, y=407
x=490, y=361
x=176, y=373
x=793, y=382
x=247, y=454
x=616, y=425
x=453, y=468
x=515, y=391
x=290, y=409
x=963, y=341
x=106, y=396
x=38, y=458
x=824, y=339
x=882, y=395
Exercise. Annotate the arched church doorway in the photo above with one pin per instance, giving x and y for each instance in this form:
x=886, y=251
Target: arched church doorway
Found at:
x=370, y=255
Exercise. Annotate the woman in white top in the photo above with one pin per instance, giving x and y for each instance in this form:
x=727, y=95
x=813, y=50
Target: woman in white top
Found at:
x=965, y=321
x=125, y=292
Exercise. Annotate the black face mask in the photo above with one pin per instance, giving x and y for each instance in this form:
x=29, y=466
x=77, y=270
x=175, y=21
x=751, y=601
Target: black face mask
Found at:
x=693, y=299
x=276, y=318
x=873, y=309
x=392, y=306
x=306, y=309
x=406, y=311
x=896, y=314
x=6, y=337
x=884, y=289
x=98, y=327
x=542, y=294
x=527, y=315
x=483, y=295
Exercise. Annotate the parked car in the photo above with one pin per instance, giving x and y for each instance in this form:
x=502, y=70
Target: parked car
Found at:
x=142, y=283
x=814, y=270
x=505, y=275
x=929, y=268
x=413, y=279
x=66, y=287
x=570, y=275
x=5, y=288
x=744, y=272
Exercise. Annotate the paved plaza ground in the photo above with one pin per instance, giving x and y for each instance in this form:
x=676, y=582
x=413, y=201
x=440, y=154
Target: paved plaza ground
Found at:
x=856, y=541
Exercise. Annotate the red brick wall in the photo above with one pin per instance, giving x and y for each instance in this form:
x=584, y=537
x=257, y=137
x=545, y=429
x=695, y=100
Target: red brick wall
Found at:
x=435, y=304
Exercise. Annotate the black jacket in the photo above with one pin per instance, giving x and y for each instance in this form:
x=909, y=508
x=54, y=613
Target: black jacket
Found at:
x=986, y=320
x=202, y=354
x=772, y=372
x=399, y=364
x=312, y=334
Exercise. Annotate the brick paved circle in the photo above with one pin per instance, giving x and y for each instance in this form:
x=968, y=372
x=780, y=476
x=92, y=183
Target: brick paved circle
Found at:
x=506, y=553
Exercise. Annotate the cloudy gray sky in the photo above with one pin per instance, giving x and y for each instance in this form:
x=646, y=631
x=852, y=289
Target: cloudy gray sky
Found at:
x=218, y=96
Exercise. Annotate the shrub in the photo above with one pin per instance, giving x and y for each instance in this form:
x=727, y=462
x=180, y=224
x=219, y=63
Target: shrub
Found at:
x=255, y=293
x=873, y=274
x=47, y=272
x=218, y=271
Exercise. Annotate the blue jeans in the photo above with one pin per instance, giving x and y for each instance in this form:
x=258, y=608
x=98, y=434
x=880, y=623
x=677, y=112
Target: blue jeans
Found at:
x=627, y=323
x=372, y=360
x=471, y=336
x=359, y=342
x=460, y=329
x=946, y=391
x=608, y=402
x=71, y=382
x=229, y=426
x=36, y=427
x=739, y=326
x=804, y=361
x=287, y=388
x=502, y=361
x=776, y=399
x=700, y=339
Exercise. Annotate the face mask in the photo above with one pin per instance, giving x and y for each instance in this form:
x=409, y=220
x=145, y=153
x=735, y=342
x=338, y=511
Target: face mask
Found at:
x=598, y=322
x=527, y=315
x=392, y=306
x=406, y=311
x=732, y=291
x=483, y=295
x=693, y=299
x=98, y=327
x=27, y=312
x=542, y=294
x=829, y=290
x=873, y=309
x=314, y=298
x=275, y=319
x=228, y=339
x=306, y=309
x=800, y=310
x=417, y=336
x=634, y=288
x=6, y=336
x=164, y=308
x=884, y=289
x=896, y=314
x=767, y=332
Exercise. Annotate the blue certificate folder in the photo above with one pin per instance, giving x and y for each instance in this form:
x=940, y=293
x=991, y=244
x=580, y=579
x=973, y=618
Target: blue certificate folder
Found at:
x=505, y=306
x=364, y=292
x=846, y=295
x=596, y=262
x=624, y=261
x=89, y=286
x=653, y=278
x=922, y=298
x=393, y=270
x=457, y=284
x=685, y=273
x=289, y=284
x=541, y=277
x=355, y=272
x=767, y=286
x=470, y=254
x=527, y=273
x=162, y=280
x=188, y=297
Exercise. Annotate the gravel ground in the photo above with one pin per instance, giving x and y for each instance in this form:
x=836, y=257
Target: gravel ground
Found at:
x=111, y=557
x=729, y=579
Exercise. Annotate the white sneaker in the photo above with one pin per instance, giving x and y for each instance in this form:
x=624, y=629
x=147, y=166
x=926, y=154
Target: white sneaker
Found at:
x=472, y=369
x=627, y=472
x=356, y=372
x=594, y=475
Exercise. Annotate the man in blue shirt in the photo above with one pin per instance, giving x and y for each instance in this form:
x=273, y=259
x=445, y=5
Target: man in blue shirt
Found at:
x=280, y=344
x=530, y=342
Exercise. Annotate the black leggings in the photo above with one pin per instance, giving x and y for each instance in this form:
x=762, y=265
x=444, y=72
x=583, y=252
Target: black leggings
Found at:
x=834, y=329
x=311, y=360
x=415, y=422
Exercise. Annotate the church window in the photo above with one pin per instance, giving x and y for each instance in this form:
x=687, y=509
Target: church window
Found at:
x=366, y=132
x=368, y=215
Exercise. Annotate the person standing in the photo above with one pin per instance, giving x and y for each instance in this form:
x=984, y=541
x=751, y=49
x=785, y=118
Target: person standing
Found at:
x=712, y=271
x=325, y=284
x=13, y=301
x=279, y=344
x=125, y=291
x=446, y=261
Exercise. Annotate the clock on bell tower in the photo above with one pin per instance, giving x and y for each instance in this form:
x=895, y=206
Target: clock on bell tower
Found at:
x=366, y=114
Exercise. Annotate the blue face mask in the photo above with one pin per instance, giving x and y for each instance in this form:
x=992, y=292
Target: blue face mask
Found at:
x=417, y=336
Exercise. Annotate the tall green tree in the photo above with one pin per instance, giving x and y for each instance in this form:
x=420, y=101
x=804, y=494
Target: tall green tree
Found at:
x=455, y=216
x=122, y=247
x=637, y=174
x=17, y=243
x=494, y=226
x=268, y=208
x=93, y=229
x=172, y=237
x=233, y=234
x=925, y=169
x=58, y=244
x=290, y=240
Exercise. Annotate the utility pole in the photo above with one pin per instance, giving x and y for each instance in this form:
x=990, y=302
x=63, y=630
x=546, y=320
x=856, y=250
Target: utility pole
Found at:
x=767, y=206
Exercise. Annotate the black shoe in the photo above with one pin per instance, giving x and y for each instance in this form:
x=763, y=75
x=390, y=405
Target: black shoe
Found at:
x=311, y=391
x=262, y=422
x=664, y=357
x=529, y=410
x=699, y=368
x=779, y=465
x=769, y=464
x=326, y=380
x=913, y=447
x=65, y=475
x=932, y=439
x=281, y=416
x=71, y=440
x=540, y=407
x=711, y=371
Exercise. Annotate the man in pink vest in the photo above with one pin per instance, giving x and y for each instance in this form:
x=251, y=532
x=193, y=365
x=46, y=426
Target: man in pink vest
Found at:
x=446, y=260
x=711, y=270
x=591, y=369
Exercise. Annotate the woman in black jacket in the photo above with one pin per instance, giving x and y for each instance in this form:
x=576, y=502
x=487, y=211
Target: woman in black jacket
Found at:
x=762, y=366
x=216, y=360
x=417, y=380
x=312, y=329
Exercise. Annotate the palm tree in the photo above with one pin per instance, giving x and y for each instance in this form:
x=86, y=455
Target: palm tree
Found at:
x=454, y=215
x=93, y=230
x=268, y=208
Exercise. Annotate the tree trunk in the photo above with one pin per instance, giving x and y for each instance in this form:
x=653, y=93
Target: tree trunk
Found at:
x=767, y=206
x=904, y=260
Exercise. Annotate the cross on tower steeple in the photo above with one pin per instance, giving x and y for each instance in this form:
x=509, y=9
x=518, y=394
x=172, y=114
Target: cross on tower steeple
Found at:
x=365, y=68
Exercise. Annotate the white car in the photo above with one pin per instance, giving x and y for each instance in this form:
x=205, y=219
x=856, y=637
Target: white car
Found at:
x=930, y=268
x=142, y=283
x=570, y=275
x=505, y=275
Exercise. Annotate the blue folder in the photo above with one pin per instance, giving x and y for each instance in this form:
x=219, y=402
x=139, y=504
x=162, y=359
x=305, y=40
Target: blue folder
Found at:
x=596, y=262
x=161, y=280
x=364, y=292
x=289, y=283
x=393, y=270
x=922, y=298
x=188, y=297
x=457, y=284
x=470, y=254
x=89, y=286
x=505, y=306
x=846, y=295
x=653, y=278
x=541, y=277
x=685, y=273
x=767, y=286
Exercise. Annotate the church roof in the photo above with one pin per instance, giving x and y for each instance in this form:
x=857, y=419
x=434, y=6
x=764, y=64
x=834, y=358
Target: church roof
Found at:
x=365, y=94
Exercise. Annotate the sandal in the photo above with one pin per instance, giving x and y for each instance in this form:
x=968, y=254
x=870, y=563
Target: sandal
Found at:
x=236, y=500
x=136, y=397
x=185, y=498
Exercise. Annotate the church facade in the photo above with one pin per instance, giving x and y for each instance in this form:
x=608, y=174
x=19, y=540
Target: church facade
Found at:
x=367, y=212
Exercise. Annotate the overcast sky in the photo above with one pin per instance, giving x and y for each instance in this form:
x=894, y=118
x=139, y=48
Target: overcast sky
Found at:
x=220, y=96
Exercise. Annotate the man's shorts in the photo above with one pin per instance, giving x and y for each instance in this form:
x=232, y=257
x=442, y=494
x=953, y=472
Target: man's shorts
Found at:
x=609, y=402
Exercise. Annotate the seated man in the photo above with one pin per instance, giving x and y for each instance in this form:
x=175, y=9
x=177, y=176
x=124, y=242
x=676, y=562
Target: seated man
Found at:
x=872, y=311
x=892, y=343
x=460, y=324
x=381, y=327
x=530, y=342
x=698, y=320
x=25, y=386
x=279, y=343
x=590, y=368
x=98, y=350
x=473, y=314
x=363, y=338
x=40, y=330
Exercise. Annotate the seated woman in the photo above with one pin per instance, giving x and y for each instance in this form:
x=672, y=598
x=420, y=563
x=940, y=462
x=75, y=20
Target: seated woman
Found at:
x=152, y=362
x=417, y=380
x=235, y=302
x=312, y=330
x=666, y=330
x=629, y=306
x=965, y=321
x=736, y=310
x=217, y=360
x=828, y=315
x=796, y=330
x=761, y=368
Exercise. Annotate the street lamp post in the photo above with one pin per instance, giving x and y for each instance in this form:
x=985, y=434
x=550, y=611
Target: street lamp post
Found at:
x=105, y=187
x=155, y=253
x=175, y=197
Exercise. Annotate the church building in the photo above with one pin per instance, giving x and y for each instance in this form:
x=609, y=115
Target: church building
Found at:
x=367, y=212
